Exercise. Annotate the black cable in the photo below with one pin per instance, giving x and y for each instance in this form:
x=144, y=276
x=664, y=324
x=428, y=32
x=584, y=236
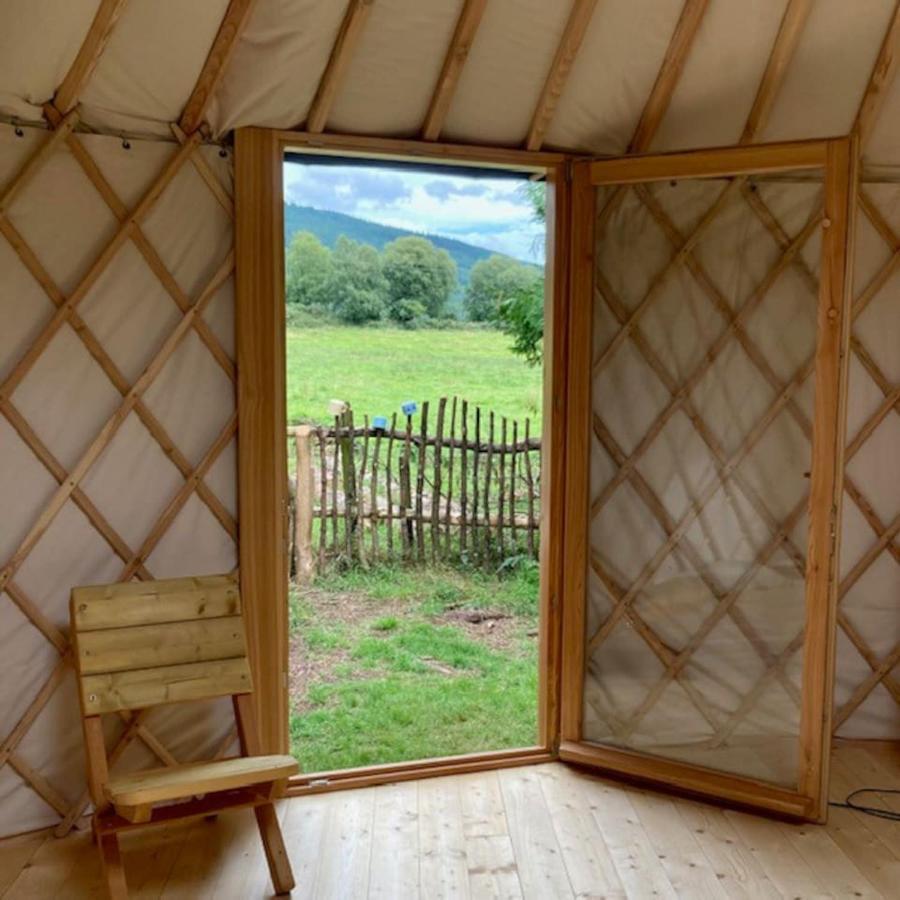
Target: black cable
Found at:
x=870, y=810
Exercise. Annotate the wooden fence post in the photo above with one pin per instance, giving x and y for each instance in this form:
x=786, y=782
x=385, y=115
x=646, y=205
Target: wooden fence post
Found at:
x=433, y=495
x=303, y=504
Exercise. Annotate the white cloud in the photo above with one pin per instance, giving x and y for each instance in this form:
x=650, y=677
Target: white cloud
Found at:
x=488, y=212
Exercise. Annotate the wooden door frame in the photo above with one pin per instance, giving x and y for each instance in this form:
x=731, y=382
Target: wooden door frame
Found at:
x=837, y=158
x=262, y=453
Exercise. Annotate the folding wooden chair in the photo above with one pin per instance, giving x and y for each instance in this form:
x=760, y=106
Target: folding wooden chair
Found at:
x=139, y=645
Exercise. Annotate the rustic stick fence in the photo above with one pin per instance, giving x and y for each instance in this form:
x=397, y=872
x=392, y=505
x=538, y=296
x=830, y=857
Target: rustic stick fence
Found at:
x=463, y=485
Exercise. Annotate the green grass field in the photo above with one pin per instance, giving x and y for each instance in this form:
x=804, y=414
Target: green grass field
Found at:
x=378, y=369
x=397, y=663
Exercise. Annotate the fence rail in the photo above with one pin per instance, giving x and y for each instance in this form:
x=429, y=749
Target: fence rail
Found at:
x=467, y=486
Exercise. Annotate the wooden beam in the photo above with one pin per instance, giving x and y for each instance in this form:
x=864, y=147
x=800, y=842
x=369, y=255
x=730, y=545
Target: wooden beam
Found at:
x=262, y=448
x=457, y=54
x=88, y=54
x=573, y=35
x=792, y=24
x=235, y=20
x=826, y=483
x=670, y=71
x=576, y=546
x=408, y=149
x=725, y=162
x=348, y=37
x=879, y=81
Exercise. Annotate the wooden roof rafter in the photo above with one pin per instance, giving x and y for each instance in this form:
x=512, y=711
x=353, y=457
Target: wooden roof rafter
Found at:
x=793, y=22
x=95, y=41
x=880, y=80
x=682, y=40
x=569, y=45
x=457, y=53
x=346, y=42
x=233, y=23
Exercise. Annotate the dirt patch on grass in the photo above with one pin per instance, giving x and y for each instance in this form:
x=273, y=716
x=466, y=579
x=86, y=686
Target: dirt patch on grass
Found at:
x=497, y=631
x=353, y=615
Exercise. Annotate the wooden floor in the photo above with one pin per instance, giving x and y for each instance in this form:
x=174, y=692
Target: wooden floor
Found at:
x=540, y=832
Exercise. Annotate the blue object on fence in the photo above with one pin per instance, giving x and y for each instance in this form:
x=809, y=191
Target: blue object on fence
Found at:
x=379, y=423
x=409, y=407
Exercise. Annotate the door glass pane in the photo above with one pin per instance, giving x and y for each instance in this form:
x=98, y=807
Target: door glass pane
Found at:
x=702, y=399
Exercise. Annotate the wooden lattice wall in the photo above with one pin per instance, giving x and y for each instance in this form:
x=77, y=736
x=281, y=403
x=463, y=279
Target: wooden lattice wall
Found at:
x=117, y=426
x=711, y=289
x=868, y=685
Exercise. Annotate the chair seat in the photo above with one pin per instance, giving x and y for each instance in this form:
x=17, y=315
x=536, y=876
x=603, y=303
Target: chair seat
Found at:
x=190, y=779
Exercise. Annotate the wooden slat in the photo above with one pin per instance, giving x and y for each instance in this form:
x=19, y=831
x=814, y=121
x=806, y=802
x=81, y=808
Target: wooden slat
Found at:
x=882, y=76
x=691, y=779
x=235, y=20
x=792, y=23
x=348, y=37
x=154, y=603
x=34, y=162
x=145, y=646
x=826, y=484
x=262, y=449
x=726, y=162
x=553, y=460
x=577, y=463
x=140, y=688
x=83, y=66
x=109, y=430
x=98, y=266
x=507, y=158
x=458, y=52
x=188, y=779
x=569, y=44
x=670, y=71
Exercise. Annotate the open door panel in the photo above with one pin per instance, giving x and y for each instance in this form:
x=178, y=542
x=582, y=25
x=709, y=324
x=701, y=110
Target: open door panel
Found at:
x=707, y=372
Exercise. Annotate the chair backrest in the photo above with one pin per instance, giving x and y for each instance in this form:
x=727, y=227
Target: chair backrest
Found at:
x=142, y=644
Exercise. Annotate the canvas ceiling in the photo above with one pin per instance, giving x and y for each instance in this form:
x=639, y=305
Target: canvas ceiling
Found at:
x=156, y=51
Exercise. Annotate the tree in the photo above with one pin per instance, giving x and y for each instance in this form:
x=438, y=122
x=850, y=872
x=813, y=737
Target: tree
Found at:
x=420, y=278
x=308, y=270
x=493, y=281
x=522, y=314
x=522, y=317
x=357, y=287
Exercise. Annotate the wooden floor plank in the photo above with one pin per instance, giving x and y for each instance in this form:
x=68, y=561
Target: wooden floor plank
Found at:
x=536, y=833
x=59, y=868
x=481, y=804
x=831, y=865
x=443, y=868
x=542, y=871
x=493, y=873
x=304, y=830
x=682, y=858
x=346, y=847
x=786, y=869
x=394, y=864
x=742, y=877
x=568, y=795
x=636, y=861
x=16, y=855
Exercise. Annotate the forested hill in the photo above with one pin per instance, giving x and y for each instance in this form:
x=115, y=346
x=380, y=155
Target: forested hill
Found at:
x=329, y=226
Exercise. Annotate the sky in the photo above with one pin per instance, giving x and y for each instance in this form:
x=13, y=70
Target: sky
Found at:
x=488, y=212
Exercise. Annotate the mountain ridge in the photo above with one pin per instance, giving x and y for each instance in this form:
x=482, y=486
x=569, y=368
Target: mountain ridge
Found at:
x=328, y=226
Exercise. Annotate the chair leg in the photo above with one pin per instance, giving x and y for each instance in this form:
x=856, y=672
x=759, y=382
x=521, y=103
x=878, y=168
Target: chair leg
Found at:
x=276, y=855
x=113, y=870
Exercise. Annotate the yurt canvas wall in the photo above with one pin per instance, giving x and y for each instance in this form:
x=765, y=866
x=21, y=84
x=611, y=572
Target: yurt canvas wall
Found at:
x=90, y=298
x=117, y=427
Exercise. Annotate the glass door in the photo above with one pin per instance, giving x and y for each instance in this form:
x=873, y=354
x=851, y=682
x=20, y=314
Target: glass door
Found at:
x=708, y=340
